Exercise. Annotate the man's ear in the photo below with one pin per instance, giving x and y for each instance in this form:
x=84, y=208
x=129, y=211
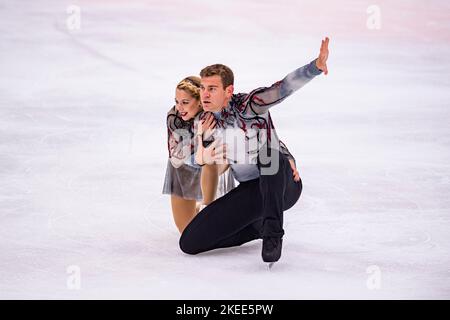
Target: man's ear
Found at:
x=229, y=90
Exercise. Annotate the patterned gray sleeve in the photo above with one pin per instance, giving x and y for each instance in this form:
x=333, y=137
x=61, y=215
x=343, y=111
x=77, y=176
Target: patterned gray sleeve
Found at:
x=260, y=100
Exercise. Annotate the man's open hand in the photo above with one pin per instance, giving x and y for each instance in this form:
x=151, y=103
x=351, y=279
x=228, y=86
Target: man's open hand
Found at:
x=321, y=61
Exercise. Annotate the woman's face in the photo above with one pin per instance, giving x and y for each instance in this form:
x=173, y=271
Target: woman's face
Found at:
x=186, y=104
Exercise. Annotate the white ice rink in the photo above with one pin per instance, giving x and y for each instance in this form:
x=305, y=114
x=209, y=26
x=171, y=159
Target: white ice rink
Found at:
x=83, y=147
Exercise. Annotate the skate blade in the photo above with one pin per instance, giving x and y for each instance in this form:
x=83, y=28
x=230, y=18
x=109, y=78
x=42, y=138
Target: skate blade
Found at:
x=270, y=265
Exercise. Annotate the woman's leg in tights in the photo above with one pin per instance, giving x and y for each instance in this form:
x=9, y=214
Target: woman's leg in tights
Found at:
x=183, y=211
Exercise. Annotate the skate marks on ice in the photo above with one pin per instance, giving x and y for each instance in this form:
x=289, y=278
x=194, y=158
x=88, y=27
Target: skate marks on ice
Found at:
x=91, y=50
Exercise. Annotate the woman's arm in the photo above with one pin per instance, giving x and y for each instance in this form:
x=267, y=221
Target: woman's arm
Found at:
x=206, y=157
x=178, y=139
x=209, y=180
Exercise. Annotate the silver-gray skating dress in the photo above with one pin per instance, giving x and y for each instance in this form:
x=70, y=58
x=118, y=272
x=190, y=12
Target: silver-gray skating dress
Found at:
x=182, y=173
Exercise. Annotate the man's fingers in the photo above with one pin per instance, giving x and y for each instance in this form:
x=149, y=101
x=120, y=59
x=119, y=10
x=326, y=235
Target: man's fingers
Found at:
x=220, y=154
x=220, y=149
x=220, y=159
x=296, y=176
x=214, y=144
x=324, y=45
x=324, y=54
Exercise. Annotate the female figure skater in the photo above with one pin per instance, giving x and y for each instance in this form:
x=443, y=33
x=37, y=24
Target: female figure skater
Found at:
x=189, y=186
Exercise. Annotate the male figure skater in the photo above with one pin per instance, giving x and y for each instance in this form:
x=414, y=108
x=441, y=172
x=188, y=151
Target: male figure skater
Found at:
x=267, y=187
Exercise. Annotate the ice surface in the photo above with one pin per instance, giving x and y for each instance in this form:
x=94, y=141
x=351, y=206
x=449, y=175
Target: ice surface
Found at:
x=83, y=148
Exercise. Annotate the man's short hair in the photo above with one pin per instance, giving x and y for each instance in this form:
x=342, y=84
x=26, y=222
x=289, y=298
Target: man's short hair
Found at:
x=221, y=70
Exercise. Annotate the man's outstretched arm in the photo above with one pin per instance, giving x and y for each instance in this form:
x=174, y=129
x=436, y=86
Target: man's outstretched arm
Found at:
x=261, y=100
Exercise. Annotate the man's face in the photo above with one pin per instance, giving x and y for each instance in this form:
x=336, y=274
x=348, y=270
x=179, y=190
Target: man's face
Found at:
x=214, y=97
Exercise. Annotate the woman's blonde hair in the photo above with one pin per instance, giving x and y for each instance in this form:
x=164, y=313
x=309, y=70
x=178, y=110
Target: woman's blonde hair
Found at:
x=191, y=85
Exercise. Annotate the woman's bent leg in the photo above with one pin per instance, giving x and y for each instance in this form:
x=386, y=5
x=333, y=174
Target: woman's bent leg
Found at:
x=183, y=211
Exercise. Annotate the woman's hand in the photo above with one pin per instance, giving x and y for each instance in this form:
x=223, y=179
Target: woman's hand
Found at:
x=206, y=126
x=213, y=152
